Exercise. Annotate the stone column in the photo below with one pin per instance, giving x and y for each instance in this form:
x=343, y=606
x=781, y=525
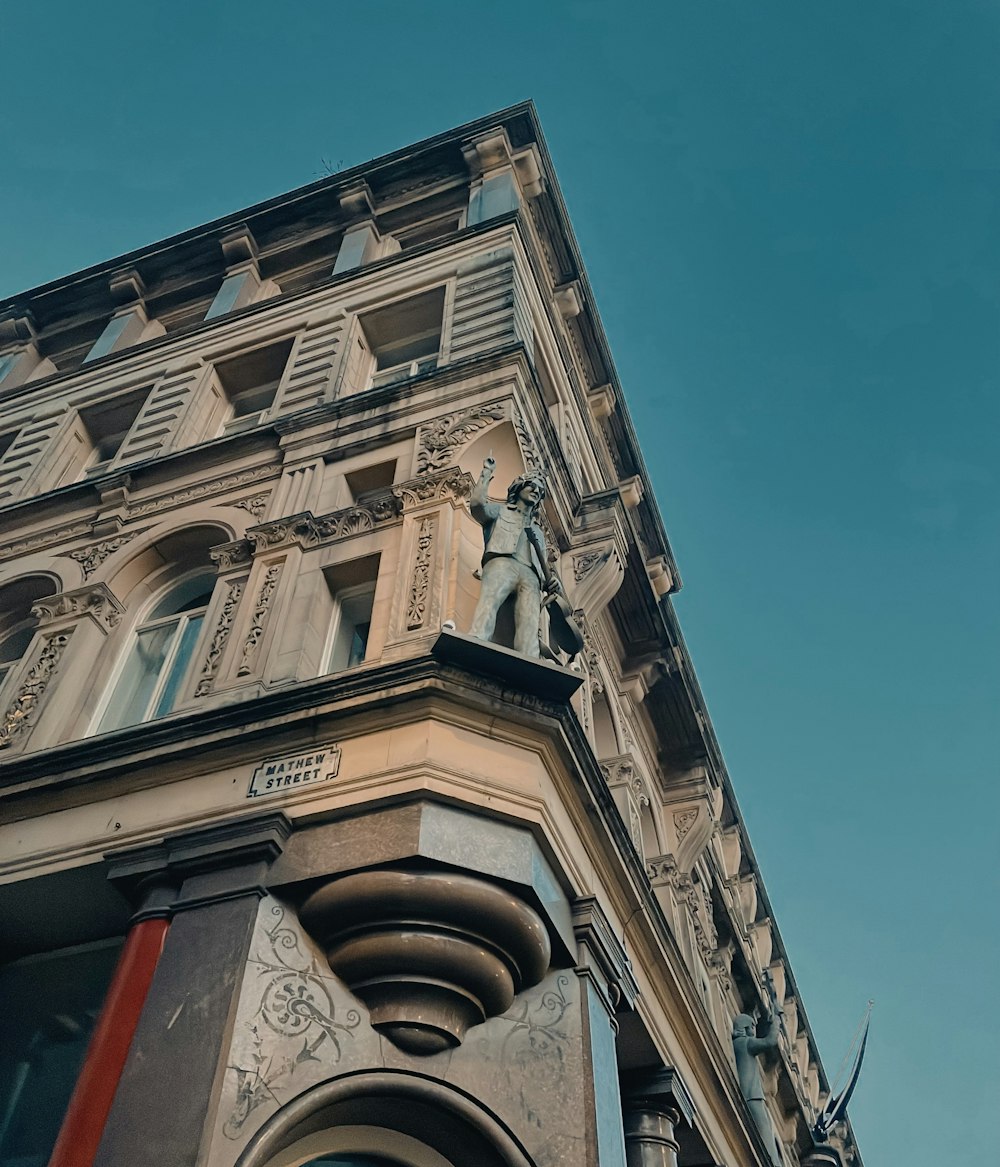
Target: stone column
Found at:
x=171, y=1075
x=649, y=1135
x=107, y=1051
x=654, y=1104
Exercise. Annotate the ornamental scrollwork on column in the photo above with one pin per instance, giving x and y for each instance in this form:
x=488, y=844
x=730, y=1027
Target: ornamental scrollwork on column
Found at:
x=219, y=637
x=416, y=610
x=32, y=688
x=259, y=619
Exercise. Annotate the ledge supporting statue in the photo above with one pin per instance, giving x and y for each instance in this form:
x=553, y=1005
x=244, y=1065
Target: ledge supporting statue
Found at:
x=515, y=558
x=747, y=1048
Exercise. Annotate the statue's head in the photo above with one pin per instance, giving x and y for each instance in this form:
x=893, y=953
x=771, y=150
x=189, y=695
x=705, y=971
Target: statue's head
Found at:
x=529, y=487
x=743, y=1025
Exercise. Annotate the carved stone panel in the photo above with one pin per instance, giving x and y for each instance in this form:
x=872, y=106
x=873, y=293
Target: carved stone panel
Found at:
x=32, y=688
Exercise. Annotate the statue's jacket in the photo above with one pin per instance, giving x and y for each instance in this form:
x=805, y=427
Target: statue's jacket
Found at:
x=510, y=533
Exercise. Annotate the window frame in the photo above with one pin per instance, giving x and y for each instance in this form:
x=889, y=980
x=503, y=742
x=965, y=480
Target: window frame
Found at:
x=143, y=624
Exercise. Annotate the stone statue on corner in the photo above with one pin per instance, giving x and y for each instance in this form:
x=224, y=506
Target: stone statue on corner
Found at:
x=515, y=558
x=748, y=1047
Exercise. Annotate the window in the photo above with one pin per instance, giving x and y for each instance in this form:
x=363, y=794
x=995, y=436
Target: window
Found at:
x=98, y=434
x=157, y=664
x=398, y=341
x=17, y=625
x=370, y=479
x=352, y=586
x=250, y=381
x=6, y=441
x=50, y=1003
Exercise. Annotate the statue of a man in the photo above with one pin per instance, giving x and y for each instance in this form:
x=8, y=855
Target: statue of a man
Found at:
x=748, y=1047
x=515, y=560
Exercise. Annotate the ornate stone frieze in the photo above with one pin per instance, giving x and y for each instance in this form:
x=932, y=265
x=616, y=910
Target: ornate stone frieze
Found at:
x=431, y=953
x=90, y=558
x=307, y=530
x=258, y=621
x=44, y=539
x=96, y=601
x=440, y=439
x=32, y=688
x=203, y=489
x=219, y=637
x=416, y=607
x=451, y=483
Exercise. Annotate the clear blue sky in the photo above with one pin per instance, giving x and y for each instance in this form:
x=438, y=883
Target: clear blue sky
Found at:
x=789, y=215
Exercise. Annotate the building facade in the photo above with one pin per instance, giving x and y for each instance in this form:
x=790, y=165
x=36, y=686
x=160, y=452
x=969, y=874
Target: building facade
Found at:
x=294, y=870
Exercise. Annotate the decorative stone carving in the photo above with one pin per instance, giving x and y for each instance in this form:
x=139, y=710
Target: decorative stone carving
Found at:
x=529, y=451
x=219, y=637
x=431, y=953
x=306, y=530
x=96, y=601
x=441, y=438
x=44, y=539
x=91, y=558
x=452, y=483
x=214, y=486
x=229, y=555
x=584, y=564
x=256, y=505
x=259, y=619
x=416, y=608
x=684, y=820
x=32, y=688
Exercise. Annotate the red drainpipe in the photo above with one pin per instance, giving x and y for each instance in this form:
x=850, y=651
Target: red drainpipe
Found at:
x=81, y=1130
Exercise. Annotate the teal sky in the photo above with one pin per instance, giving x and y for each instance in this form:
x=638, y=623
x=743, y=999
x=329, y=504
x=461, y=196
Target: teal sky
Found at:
x=789, y=215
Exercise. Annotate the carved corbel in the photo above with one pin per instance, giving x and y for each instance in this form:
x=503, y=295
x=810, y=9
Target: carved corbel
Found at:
x=431, y=953
x=17, y=330
x=603, y=956
x=96, y=601
x=601, y=402
x=630, y=791
x=690, y=815
x=599, y=553
x=242, y=284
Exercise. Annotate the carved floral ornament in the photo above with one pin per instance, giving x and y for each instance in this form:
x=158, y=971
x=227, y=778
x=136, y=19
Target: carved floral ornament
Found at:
x=441, y=439
x=32, y=688
x=90, y=558
x=96, y=601
x=219, y=637
x=416, y=608
x=258, y=622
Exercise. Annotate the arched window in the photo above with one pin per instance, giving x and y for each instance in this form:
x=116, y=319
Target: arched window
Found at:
x=159, y=660
x=17, y=625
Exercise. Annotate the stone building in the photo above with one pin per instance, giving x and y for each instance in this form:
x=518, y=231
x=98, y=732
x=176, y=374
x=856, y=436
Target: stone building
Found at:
x=293, y=870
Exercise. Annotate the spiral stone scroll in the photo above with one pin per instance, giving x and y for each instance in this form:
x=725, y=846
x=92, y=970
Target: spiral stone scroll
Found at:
x=430, y=953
